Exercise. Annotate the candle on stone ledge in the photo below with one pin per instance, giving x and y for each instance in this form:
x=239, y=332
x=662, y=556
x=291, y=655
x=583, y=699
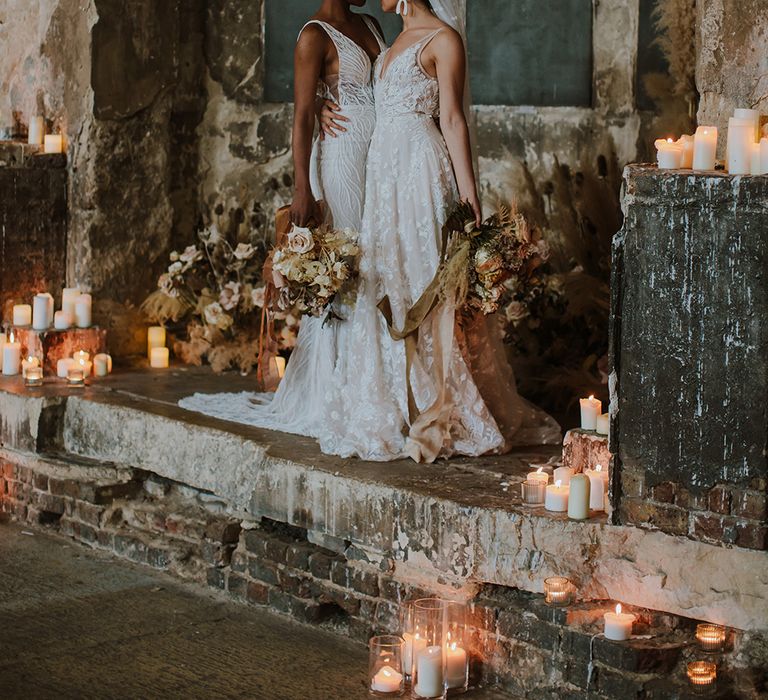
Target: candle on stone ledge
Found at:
x=563, y=475
x=702, y=673
x=11, y=357
x=81, y=355
x=429, y=673
x=686, y=145
x=556, y=498
x=413, y=644
x=558, y=591
x=75, y=376
x=54, y=143
x=710, y=637
x=387, y=681
x=22, y=315
x=705, y=148
x=618, y=625
x=456, y=666
x=159, y=358
x=33, y=377
x=83, y=306
x=36, y=131
x=533, y=492
x=63, y=366
x=603, y=424
x=764, y=155
x=155, y=339
x=591, y=408
x=598, y=487
x=102, y=365
x=670, y=154
x=68, y=298
x=62, y=320
x=741, y=136
x=752, y=116
x=41, y=312
x=539, y=475
x=578, y=497
x=28, y=364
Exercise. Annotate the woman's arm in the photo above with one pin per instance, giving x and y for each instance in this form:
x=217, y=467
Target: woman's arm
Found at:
x=309, y=59
x=450, y=65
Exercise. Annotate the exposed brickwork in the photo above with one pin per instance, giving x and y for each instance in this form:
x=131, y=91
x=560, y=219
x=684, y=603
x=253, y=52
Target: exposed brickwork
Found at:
x=584, y=450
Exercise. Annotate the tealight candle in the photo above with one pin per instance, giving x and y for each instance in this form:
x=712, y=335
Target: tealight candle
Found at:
x=81, y=355
x=618, y=625
x=705, y=148
x=62, y=320
x=556, y=498
x=429, y=673
x=83, y=305
x=533, y=492
x=578, y=497
x=710, y=637
x=702, y=673
x=76, y=377
x=36, y=131
x=54, y=143
x=591, y=408
x=102, y=365
x=558, y=591
x=41, y=312
x=33, y=377
x=155, y=339
x=68, y=298
x=563, y=475
x=28, y=364
x=22, y=315
x=741, y=136
x=11, y=357
x=387, y=681
x=539, y=475
x=86, y=366
x=602, y=424
x=159, y=358
x=670, y=155
x=63, y=366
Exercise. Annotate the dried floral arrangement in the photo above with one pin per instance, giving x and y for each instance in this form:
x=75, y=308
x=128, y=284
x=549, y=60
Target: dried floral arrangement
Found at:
x=213, y=291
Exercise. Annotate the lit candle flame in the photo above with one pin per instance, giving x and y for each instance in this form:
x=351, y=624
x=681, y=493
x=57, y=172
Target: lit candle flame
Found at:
x=10, y=340
x=453, y=646
x=539, y=470
x=598, y=467
x=30, y=359
x=670, y=141
x=618, y=609
x=386, y=671
x=558, y=483
x=82, y=362
x=591, y=397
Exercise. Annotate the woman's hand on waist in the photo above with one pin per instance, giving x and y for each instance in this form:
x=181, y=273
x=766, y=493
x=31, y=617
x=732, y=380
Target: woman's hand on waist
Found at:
x=330, y=118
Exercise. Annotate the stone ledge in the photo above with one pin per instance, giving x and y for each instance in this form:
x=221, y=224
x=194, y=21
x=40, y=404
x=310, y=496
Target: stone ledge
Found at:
x=452, y=522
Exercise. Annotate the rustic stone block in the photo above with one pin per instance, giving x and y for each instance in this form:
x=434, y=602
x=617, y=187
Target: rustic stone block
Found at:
x=56, y=345
x=131, y=547
x=264, y=571
x=320, y=565
x=670, y=519
x=237, y=585
x=344, y=599
x=298, y=554
x=65, y=487
x=750, y=504
x=720, y=500
x=255, y=542
x=216, y=578
x=584, y=450
x=614, y=684
x=216, y=554
x=158, y=558
x=664, y=492
x=50, y=503
x=752, y=535
x=526, y=627
x=41, y=482
x=275, y=549
x=239, y=562
x=223, y=531
x=295, y=583
x=257, y=593
x=639, y=656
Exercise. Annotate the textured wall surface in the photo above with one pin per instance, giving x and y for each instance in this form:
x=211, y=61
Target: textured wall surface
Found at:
x=690, y=346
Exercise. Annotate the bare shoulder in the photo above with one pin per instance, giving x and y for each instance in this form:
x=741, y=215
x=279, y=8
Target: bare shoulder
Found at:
x=313, y=38
x=448, y=39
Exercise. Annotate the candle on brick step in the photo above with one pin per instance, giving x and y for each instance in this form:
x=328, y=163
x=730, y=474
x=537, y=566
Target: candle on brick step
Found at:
x=159, y=358
x=598, y=487
x=429, y=673
x=33, y=377
x=28, y=364
x=563, y=475
x=83, y=305
x=455, y=666
x=41, y=312
x=102, y=365
x=618, y=625
x=75, y=376
x=68, y=298
x=63, y=366
x=155, y=339
x=54, y=143
x=36, y=131
x=11, y=357
x=578, y=497
x=670, y=155
x=591, y=408
x=62, y=320
x=539, y=475
x=602, y=424
x=387, y=681
x=686, y=146
x=556, y=498
x=741, y=136
x=22, y=315
x=705, y=148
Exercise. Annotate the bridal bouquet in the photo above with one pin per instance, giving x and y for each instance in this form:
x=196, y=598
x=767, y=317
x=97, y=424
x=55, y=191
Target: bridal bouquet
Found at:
x=483, y=263
x=312, y=267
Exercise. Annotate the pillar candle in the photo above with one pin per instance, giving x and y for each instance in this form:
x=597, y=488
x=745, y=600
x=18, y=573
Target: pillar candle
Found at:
x=603, y=423
x=598, y=487
x=54, y=143
x=68, y=297
x=83, y=305
x=102, y=365
x=413, y=645
x=22, y=315
x=81, y=355
x=63, y=366
x=3, y=340
x=456, y=666
x=618, y=625
x=387, y=680
x=578, y=497
x=705, y=148
x=556, y=499
x=756, y=163
x=36, y=131
x=539, y=475
x=741, y=136
x=591, y=408
x=159, y=358
x=563, y=475
x=764, y=155
x=670, y=155
x=155, y=339
x=752, y=116
x=686, y=145
x=41, y=312
x=62, y=320
x=429, y=673
x=11, y=357
x=85, y=366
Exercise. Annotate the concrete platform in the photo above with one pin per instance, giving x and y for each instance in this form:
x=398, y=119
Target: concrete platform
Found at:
x=458, y=522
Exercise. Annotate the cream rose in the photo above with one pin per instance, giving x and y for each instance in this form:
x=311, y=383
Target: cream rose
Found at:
x=300, y=240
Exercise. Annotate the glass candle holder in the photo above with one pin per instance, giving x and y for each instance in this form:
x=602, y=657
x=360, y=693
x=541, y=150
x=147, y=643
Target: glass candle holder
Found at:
x=710, y=637
x=76, y=377
x=558, y=591
x=428, y=657
x=409, y=633
x=533, y=492
x=33, y=377
x=456, y=645
x=385, y=669
x=702, y=673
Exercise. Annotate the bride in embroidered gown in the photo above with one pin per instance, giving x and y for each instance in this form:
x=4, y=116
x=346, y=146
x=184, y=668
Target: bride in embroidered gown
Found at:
x=465, y=394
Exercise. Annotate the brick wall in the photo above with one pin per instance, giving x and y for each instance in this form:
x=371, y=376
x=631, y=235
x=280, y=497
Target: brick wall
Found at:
x=517, y=641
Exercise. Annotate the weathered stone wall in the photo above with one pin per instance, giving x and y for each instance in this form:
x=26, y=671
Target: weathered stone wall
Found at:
x=732, y=66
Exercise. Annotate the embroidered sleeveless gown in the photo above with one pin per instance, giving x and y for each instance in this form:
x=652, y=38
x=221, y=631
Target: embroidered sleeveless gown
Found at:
x=337, y=173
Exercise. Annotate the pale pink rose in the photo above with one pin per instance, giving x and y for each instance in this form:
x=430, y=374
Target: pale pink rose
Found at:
x=244, y=251
x=258, y=297
x=300, y=240
x=230, y=296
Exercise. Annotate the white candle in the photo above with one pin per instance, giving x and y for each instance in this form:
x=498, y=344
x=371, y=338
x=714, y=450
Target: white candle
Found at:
x=563, y=475
x=62, y=320
x=705, y=148
x=598, y=487
x=578, y=497
x=591, y=408
x=764, y=155
x=54, y=143
x=602, y=424
x=618, y=625
x=539, y=475
x=83, y=305
x=27, y=364
x=756, y=165
x=413, y=643
x=429, y=673
x=11, y=357
x=63, y=366
x=36, y=131
x=3, y=340
x=155, y=339
x=85, y=366
x=741, y=136
x=159, y=358
x=41, y=312
x=387, y=680
x=456, y=666
x=102, y=365
x=81, y=355
x=68, y=298
x=752, y=116
x=670, y=155
x=22, y=315
x=556, y=499
x=686, y=144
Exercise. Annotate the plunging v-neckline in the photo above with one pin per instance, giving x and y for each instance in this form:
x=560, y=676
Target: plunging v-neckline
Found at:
x=363, y=50
x=385, y=69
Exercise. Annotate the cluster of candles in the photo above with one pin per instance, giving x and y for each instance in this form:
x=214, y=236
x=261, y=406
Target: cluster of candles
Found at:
x=576, y=494
x=78, y=368
x=747, y=153
x=52, y=143
x=75, y=310
x=430, y=655
x=592, y=416
x=157, y=352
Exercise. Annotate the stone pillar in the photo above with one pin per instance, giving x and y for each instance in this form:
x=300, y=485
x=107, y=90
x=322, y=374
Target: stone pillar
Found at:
x=732, y=65
x=689, y=351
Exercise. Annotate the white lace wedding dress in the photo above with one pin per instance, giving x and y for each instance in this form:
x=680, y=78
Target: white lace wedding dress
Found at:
x=463, y=387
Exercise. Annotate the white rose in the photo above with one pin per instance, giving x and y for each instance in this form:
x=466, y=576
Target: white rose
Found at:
x=230, y=296
x=191, y=254
x=300, y=240
x=215, y=316
x=258, y=297
x=322, y=281
x=175, y=268
x=244, y=251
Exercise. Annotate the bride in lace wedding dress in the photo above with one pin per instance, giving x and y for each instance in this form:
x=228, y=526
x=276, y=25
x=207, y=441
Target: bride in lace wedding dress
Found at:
x=464, y=392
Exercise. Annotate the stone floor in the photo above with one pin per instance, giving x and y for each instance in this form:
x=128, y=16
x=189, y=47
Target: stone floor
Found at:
x=77, y=624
